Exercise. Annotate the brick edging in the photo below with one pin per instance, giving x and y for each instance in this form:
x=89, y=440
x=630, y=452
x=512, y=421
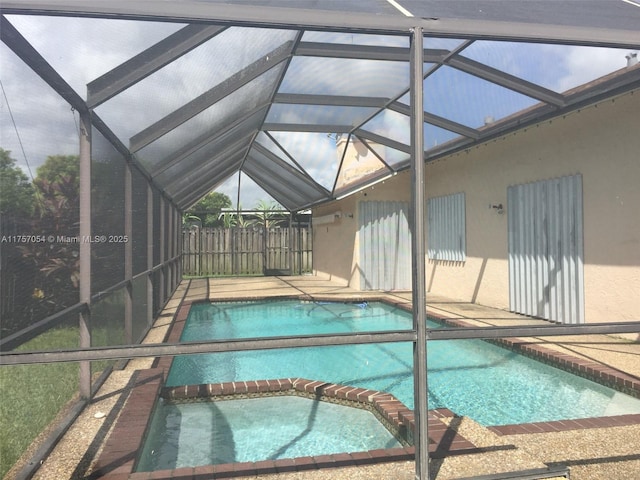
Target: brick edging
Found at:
x=390, y=411
x=118, y=457
x=119, y=453
x=566, y=425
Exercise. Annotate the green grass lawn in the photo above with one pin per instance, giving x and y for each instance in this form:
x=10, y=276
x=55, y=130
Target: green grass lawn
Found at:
x=32, y=395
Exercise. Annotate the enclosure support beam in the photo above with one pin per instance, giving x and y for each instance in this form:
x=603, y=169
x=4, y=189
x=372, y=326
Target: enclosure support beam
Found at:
x=20, y=357
x=208, y=346
x=331, y=100
x=128, y=254
x=438, y=121
x=374, y=137
x=150, y=311
x=505, y=80
x=363, y=52
x=179, y=246
x=235, y=268
x=168, y=248
x=305, y=127
x=290, y=244
x=85, y=249
x=174, y=244
x=161, y=243
x=418, y=255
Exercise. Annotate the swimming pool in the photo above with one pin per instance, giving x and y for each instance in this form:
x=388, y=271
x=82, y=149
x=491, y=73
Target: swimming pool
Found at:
x=491, y=384
x=254, y=429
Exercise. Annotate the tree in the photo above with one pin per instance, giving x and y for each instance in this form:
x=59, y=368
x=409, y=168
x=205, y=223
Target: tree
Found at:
x=57, y=217
x=208, y=209
x=47, y=271
x=16, y=209
x=57, y=185
x=16, y=192
x=57, y=167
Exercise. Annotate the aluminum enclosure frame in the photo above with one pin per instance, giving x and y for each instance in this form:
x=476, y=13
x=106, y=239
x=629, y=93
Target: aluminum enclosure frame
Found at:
x=122, y=352
x=274, y=17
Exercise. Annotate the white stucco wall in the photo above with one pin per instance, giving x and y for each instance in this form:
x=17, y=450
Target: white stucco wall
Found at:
x=601, y=142
x=336, y=246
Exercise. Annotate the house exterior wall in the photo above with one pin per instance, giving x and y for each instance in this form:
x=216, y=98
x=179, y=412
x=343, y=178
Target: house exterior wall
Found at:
x=601, y=142
x=342, y=263
x=335, y=244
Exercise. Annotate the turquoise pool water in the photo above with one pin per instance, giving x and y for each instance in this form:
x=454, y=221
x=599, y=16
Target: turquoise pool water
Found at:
x=249, y=430
x=492, y=385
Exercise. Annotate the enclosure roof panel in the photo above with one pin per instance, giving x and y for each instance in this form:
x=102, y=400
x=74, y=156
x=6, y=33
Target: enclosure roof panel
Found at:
x=290, y=94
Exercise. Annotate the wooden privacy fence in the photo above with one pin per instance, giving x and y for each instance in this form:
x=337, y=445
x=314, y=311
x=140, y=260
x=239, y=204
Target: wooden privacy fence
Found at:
x=246, y=251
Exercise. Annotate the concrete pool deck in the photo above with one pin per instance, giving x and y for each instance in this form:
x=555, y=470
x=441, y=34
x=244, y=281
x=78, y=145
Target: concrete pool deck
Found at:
x=592, y=450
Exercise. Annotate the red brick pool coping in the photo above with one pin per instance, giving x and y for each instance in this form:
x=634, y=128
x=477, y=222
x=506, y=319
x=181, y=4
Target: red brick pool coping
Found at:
x=119, y=454
x=389, y=411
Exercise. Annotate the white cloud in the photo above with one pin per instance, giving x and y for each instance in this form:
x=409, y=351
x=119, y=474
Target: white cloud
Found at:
x=584, y=64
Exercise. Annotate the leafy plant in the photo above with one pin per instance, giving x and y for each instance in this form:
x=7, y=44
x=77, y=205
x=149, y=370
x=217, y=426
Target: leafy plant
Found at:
x=57, y=260
x=266, y=216
x=232, y=219
x=208, y=209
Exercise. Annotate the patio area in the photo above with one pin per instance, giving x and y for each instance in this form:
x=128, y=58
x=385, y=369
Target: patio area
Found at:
x=602, y=449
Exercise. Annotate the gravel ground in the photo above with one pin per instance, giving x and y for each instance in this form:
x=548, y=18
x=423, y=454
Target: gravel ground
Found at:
x=593, y=454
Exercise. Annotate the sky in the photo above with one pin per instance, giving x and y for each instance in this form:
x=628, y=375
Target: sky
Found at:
x=35, y=122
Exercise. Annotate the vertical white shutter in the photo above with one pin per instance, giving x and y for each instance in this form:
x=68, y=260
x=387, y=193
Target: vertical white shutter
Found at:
x=385, y=246
x=447, y=228
x=546, y=249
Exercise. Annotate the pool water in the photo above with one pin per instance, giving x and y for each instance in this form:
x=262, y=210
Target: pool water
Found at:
x=491, y=384
x=249, y=430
